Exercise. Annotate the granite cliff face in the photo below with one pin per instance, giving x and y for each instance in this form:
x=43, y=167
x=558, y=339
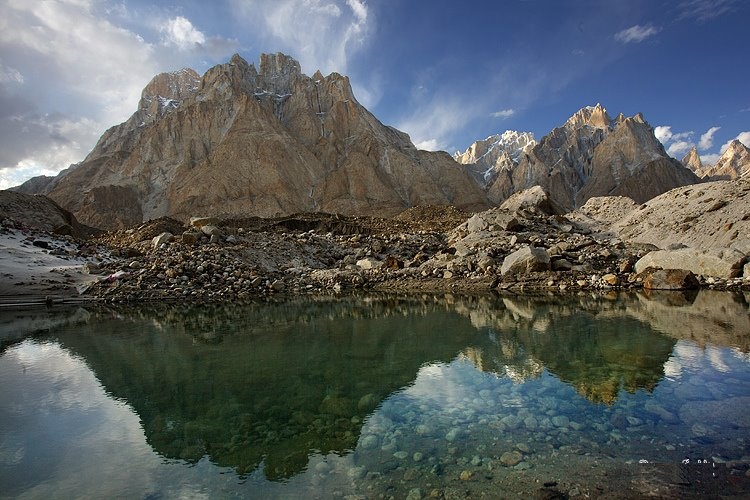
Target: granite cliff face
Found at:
x=593, y=155
x=263, y=142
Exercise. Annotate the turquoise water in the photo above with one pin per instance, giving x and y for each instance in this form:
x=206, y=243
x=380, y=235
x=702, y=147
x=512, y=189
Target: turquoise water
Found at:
x=378, y=397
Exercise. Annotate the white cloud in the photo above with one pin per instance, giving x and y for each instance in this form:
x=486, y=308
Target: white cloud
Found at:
x=504, y=113
x=321, y=34
x=79, y=73
x=10, y=75
x=433, y=123
x=679, y=148
x=636, y=33
x=704, y=10
x=683, y=135
x=430, y=145
x=707, y=139
x=180, y=32
x=663, y=133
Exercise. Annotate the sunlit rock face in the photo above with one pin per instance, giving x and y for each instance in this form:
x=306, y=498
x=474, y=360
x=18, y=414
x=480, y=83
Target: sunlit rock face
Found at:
x=733, y=164
x=263, y=142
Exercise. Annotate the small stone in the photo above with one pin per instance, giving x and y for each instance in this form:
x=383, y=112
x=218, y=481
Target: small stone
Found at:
x=560, y=421
x=211, y=230
x=158, y=241
x=414, y=494
x=611, y=279
x=465, y=475
x=511, y=458
x=277, y=285
x=401, y=455
x=417, y=457
x=369, y=442
x=452, y=434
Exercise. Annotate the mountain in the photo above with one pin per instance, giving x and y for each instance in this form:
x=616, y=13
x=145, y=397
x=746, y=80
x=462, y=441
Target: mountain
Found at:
x=734, y=163
x=485, y=159
x=593, y=155
x=692, y=160
x=263, y=142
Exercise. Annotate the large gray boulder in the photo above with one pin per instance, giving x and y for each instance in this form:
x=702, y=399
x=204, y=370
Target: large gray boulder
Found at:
x=717, y=262
x=526, y=260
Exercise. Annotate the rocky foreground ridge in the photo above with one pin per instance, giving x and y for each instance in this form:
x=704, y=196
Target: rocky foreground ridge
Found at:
x=690, y=237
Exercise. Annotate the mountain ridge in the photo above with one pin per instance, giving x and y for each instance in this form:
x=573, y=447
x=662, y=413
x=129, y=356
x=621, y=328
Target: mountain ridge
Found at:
x=269, y=141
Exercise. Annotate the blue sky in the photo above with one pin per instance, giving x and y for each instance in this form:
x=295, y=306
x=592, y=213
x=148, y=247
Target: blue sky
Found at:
x=446, y=72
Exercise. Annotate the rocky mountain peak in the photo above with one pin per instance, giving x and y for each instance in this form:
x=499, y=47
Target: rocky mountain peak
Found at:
x=166, y=91
x=279, y=72
x=734, y=163
x=594, y=116
x=692, y=160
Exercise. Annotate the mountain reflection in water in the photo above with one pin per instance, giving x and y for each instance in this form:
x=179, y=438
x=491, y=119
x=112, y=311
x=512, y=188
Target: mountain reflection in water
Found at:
x=267, y=385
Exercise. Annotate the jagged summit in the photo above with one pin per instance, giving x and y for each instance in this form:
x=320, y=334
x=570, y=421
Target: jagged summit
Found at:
x=692, y=160
x=166, y=91
x=594, y=116
x=734, y=163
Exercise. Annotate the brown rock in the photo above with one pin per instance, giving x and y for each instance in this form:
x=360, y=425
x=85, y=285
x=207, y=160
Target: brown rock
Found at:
x=669, y=279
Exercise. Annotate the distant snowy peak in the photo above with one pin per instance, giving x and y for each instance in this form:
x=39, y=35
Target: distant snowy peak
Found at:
x=486, y=158
x=511, y=142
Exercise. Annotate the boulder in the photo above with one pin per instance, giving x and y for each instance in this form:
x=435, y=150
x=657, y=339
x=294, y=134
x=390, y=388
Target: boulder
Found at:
x=492, y=220
x=190, y=237
x=534, y=199
x=718, y=262
x=211, y=230
x=369, y=263
x=669, y=279
x=199, y=222
x=161, y=239
x=527, y=259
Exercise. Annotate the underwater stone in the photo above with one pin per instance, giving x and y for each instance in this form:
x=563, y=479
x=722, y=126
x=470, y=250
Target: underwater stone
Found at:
x=511, y=458
x=452, y=434
x=369, y=442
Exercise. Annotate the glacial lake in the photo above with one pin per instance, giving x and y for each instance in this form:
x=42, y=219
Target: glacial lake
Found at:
x=416, y=396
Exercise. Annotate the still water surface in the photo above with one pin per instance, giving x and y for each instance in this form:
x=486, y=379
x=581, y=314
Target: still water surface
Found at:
x=380, y=396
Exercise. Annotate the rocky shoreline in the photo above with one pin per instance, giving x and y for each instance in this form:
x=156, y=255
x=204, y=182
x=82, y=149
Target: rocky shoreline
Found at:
x=520, y=247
